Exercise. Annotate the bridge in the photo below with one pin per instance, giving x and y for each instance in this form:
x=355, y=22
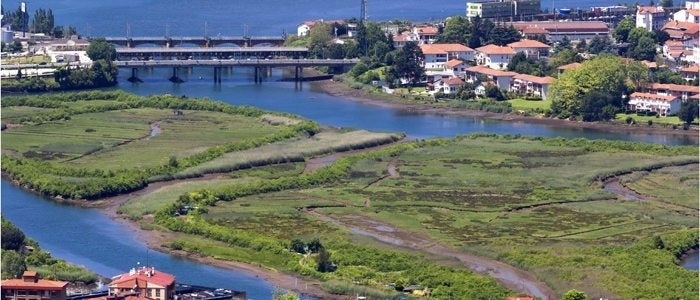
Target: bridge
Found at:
x=259, y=66
x=201, y=41
x=184, y=53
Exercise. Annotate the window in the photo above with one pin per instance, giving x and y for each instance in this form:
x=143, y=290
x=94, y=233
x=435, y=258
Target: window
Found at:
x=157, y=293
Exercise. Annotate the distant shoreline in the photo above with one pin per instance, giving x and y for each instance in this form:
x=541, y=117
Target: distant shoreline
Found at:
x=340, y=89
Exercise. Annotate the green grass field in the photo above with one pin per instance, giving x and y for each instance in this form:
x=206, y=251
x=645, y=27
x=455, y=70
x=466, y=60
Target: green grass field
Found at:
x=532, y=204
x=643, y=120
x=530, y=105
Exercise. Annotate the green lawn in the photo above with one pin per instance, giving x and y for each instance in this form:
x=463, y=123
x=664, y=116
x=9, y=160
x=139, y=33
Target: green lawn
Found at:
x=530, y=105
x=643, y=120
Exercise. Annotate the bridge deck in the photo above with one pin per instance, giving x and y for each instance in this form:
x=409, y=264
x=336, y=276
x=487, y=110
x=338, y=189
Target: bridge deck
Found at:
x=238, y=62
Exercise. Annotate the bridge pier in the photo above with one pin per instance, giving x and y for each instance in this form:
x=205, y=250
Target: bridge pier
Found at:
x=298, y=71
x=134, y=76
x=217, y=74
x=174, y=78
x=258, y=76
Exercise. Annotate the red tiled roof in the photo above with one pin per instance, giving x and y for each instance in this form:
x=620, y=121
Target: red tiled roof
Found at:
x=569, y=66
x=649, y=9
x=427, y=30
x=453, y=81
x=41, y=284
x=454, y=62
x=691, y=69
x=491, y=72
x=141, y=276
x=688, y=28
x=671, y=43
x=550, y=26
x=674, y=87
x=493, y=49
x=653, y=96
x=650, y=64
x=535, y=79
x=528, y=44
x=694, y=12
x=444, y=48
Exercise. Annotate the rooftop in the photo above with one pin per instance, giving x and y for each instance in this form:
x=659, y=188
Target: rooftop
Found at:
x=649, y=9
x=444, y=48
x=494, y=49
x=654, y=96
x=569, y=26
x=569, y=66
x=454, y=62
x=674, y=87
x=491, y=72
x=528, y=44
x=30, y=281
x=142, y=276
x=535, y=79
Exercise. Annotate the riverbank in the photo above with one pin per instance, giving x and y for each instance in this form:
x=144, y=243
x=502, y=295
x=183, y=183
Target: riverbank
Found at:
x=342, y=90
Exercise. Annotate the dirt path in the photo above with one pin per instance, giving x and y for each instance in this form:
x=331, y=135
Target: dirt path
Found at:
x=508, y=275
x=324, y=160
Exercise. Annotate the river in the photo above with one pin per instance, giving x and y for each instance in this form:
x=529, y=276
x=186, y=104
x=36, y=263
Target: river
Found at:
x=89, y=238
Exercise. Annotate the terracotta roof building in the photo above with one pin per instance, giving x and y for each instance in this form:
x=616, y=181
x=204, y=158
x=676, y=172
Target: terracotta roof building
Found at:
x=144, y=282
x=661, y=104
x=30, y=287
x=436, y=55
x=690, y=73
x=495, y=57
x=556, y=31
x=531, y=48
x=531, y=85
x=650, y=17
x=681, y=91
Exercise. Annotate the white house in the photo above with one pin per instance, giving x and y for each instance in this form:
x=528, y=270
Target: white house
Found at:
x=650, y=17
x=531, y=48
x=448, y=85
x=692, y=4
x=690, y=73
x=426, y=34
x=456, y=67
x=304, y=28
x=661, y=104
x=684, y=92
x=495, y=57
x=436, y=55
x=531, y=85
x=502, y=79
x=401, y=39
x=687, y=15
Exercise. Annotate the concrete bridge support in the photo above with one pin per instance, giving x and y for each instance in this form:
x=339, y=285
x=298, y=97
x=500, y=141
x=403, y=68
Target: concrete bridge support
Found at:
x=134, y=76
x=217, y=75
x=175, y=78
x=298, y=74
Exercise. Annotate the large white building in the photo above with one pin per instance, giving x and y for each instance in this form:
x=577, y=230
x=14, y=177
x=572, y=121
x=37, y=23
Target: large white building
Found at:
x=687, y=15
x=661, y=104
x=650, y=17
x=436, y=55
x=495, y=57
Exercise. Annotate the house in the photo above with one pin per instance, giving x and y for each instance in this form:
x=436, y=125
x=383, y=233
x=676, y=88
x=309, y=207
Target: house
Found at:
x=556, y=31
x=73, y=44
x=401, y=39
x=650, y=17
x=531, y=85
x=681, y=91
x=426, y=34
x=448, y=85
x=690, y=73
x=501, y=79
x=660, y=104
x=687, y=15
x=145, y=283
x=531, y=48
x=30, y=287
x=570, y=66
x=304, y=28
x=686, y=32
x=495, y=57
x=436, y=55
x=456, y=67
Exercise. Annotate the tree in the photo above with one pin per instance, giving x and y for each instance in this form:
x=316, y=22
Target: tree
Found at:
x=666, y=3
x=407, y=63
x=315, y=245
x=688, y=112
x=600, y=45
x=574, y=295
x=12, y=264
x=456, y=31
x=99, y=48
x=12, y=237
x=604, y=74
x=324, y=261
x=284, y=295
x=597, y=106
x=638, y=73
x=298, y=246
x=43, y=21
x=661, y=36
x=623, y=29
x=501, y=35
x=493, y=92
x=644, y=49
x=564, y=44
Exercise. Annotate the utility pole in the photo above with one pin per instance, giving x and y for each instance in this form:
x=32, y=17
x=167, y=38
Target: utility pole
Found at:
x=363, y=10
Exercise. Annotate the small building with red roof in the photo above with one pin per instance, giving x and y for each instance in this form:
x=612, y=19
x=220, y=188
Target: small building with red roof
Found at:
x=493, y=56
x=531, y=85
x=690, y=73
x=30, y=287
x=681, y=91
x=448, y=85
x=426, y=34
x=501, y=79
x=144, y=282
x=531, y=48
x=663, y=105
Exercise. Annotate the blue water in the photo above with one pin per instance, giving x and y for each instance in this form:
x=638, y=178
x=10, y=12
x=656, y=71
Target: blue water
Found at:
x=692, y=261
x=89, y=238
x=226, y=17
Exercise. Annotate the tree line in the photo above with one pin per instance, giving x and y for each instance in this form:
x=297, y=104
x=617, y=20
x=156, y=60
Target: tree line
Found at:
x=41, y=22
